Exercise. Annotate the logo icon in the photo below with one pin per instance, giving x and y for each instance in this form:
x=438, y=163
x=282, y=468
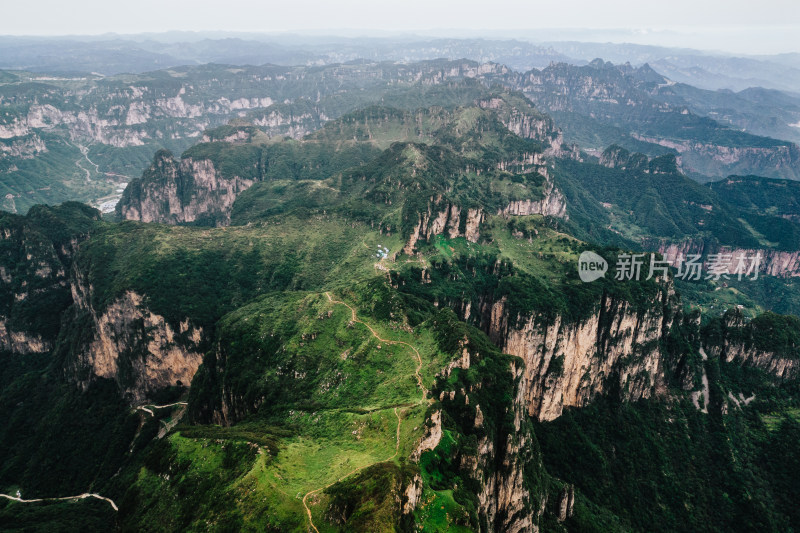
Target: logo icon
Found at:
x=591, y=267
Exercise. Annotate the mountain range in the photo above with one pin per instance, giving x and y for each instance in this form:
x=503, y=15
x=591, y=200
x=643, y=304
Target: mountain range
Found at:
x=347, y=297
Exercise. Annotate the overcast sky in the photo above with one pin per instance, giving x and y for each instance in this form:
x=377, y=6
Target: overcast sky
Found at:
x=761, y=26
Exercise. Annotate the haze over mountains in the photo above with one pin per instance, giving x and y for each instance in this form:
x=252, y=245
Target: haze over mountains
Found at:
x=113, y=54
x=96, y=132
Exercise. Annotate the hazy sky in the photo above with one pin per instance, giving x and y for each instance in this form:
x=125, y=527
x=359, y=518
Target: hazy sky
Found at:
x=773, y=24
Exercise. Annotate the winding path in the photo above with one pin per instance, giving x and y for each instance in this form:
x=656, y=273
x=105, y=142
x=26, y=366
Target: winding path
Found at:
x=92, y=494
x=85, y=153
x=347, y=475
x=147, y=406
x=79, y=497
x=397, y=437
x=387, y=341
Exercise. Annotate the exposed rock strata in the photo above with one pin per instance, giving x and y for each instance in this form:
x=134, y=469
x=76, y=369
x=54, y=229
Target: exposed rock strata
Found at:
x=568, y=364
x=135, y=347
x=182, y=192
x=771, y=262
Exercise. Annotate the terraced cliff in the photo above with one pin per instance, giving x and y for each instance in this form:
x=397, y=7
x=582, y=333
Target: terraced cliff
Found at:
x=568, y=364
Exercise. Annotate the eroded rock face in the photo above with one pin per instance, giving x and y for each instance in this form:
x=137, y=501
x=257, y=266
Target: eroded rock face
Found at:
x=295, y=125
x=568, y=364
x=566, y=502
x=186, y=191
x=716, y=160
x=444, y=218
x=525, y=125
x=505, y=500
x=432, y=437
x=413, y=494
x=135, y=347
x=34, y=286
x=21, y=342
x=739, y=348
x=552, y=203
x=771, y=262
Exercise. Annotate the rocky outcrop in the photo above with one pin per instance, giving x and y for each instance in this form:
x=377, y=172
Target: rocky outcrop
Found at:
x=618, y=157
x=770, y=262
x=445, y=218
x=500, y=461
x=34, y=281
x=504, y=498
x=552, y=203
x=21, y=342
x=527, y=125
x=566, y=503
x=777, y=161
x=772, y=363
x=737, y=345
x=25, y=147
x=432, y=437
x=568, y=364
x=521, y=118
x=173, y=192
x=279, y=120
x=133, y=346
x=412, y=494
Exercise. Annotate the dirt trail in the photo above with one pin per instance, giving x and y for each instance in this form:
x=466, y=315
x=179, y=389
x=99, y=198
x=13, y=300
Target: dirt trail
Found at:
x=397, y=437
x=147, y=407
x=85, y=153
x=387, y=341
x=79, y=497
x=359, y=469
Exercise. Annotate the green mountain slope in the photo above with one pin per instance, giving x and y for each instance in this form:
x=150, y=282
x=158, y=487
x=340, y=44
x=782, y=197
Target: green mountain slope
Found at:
x=386, y=330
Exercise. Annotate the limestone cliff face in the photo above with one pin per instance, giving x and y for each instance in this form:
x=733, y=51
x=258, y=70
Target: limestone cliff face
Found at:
x=617, y=157
x=505, y=499
x=445, y=218
x=21, y=342
x=504, y=502
x=772, y=262
x=777, y=365
x=780, y=161
x=737, y=346
x=34, y=285
x=279, y=121
x=552, y=203
x=134, y=346
x=527, y=125
x=130, y=119
x=568, y=364
x=179, y=192
x=618, y=93
x=25, y=147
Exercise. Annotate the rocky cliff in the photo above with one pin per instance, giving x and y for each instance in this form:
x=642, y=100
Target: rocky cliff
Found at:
x=567, y=364
x=770, y=262
x=756, y=344
x=185, y=191
x=506, y=499
x=779, y=161
x=552, y=203
x=21, y=342
x=36, y=252
x=296, y=121
x=133, y=346
x=502, y=462
x=445, y=218
x=601, y=93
